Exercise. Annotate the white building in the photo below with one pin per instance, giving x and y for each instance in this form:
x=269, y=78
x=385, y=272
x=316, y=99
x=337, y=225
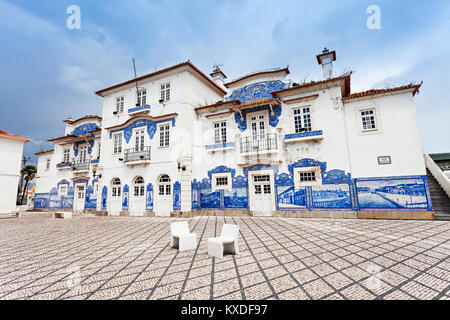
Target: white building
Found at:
x=11, y=149
x=180, y=141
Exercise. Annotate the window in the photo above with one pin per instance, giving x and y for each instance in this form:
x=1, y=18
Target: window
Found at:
x=116, y=188
x=302, y=120
x=165, y=92
x=66, y=157
x=139, y=140
x=261, y=178
x=83, y=154
x=220, y=132
x=139, y=187
x=164, y=135
x=222, y=181
x=117, y=143
x=47, y=164
x=62, y=190
x=165, y=188
x=142, y=97
x=368, y=120
x=119, y=104
x=307, y=176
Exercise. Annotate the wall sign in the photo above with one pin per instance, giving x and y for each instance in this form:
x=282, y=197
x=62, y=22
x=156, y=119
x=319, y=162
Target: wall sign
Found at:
x=383, y=160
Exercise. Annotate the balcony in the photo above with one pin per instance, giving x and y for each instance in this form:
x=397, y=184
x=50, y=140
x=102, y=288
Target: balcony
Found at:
x=64, y=166
x=140, y=156
x=304, y=136
x=80, y=166
x=259, y=144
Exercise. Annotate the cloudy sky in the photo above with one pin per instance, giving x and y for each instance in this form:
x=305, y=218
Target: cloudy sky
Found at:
x=50, y=72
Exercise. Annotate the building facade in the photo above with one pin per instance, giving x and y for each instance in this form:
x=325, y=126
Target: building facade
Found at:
x=11, y=149
x=178, y=141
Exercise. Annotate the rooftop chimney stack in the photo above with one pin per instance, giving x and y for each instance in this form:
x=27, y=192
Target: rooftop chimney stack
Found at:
x=326, y=59
x=218, y=76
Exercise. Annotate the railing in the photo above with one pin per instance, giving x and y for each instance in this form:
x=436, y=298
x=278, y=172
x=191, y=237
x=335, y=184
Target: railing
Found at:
x=80, y=166
x=140, y=154
x=438, y=174
x=259, y=143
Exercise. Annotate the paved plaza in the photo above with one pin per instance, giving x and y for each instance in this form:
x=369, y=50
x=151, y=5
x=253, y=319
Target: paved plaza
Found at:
x=130, y=258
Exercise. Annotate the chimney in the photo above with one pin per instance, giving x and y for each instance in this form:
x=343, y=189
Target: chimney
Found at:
x=326, y=59
x=218, y=76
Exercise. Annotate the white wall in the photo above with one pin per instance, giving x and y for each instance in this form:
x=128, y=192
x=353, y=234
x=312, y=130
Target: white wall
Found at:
x=11, y=155
x=397, y=137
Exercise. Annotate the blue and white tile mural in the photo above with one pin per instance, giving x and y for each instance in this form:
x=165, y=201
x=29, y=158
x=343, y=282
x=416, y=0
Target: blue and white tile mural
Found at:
x=332, y=196
x=149, y=198
x=236, y=198
x=176, y=196
x=290, y=199
x=393, y=193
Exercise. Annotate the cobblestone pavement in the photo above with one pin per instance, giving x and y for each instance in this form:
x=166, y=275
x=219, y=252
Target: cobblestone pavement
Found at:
x=130, y=258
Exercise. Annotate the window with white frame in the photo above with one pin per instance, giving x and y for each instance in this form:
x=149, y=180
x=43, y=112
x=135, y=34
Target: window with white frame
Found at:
x=47, y=164
x=368, y=120
x=302, y=119
x=117, y=138
x=63, y=190
x=165, y=188
x=120, y=101
x=222, y=181
x=142, y=97
x=305, y=177
x=66, y=156
x=165, y=92
x=164, y=135
x=139, y=187
x=220, y=132
x=116, y=188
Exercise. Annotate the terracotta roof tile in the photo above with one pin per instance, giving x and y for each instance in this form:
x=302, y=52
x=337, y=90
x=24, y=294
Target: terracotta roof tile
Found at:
x=10, y=135
x=373, y=92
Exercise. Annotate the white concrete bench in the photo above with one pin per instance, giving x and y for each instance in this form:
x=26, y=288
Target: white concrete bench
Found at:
x=181, y=237
x=62, y=215
x=228, y=242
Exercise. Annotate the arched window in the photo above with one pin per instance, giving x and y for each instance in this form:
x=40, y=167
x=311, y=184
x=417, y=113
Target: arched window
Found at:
x=139, y=187
x=116, y=188
x=165, y=188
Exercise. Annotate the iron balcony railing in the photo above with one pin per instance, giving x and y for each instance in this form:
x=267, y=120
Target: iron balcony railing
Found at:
x=256, y=143
x=80, y=165
x=140, y=154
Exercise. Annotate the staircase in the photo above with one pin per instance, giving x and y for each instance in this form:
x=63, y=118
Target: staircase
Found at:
x=439, y=199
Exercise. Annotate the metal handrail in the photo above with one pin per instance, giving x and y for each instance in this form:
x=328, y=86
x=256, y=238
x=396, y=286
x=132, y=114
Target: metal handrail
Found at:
x=137, y=154
x=80, y=165
x=256, y=143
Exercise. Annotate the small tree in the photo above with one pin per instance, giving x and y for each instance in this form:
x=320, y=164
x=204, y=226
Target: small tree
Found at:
x=29, y=173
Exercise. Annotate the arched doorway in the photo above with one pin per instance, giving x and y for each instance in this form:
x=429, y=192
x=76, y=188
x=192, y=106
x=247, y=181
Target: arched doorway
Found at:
x=137, y=203
x=164, y=205
x=116, y=197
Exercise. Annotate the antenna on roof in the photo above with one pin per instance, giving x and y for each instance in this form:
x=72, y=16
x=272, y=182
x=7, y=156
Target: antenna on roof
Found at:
x=216, y=67
x=135, y=77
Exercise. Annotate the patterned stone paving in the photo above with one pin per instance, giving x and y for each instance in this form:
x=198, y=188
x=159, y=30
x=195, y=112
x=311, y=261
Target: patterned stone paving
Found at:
x=130, y=258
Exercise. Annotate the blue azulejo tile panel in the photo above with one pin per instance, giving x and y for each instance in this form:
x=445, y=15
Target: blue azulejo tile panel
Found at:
x=140, y=108
x=290, y=199
x=104, y=197
x=91, y=201
x=220, y=146
x=126, y=198
x=41, y=201
x=176, y=196
x=331, y=196
x=404, y=193
x=149, y=198
x=256, y=91
x=236, y=198
x=209, y=199
x=303, y=135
